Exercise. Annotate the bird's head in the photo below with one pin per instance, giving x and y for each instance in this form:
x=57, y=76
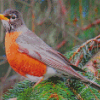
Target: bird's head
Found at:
x=11, y=19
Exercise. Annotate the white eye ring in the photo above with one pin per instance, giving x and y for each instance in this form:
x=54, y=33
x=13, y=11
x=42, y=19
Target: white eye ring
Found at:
x=13, y=16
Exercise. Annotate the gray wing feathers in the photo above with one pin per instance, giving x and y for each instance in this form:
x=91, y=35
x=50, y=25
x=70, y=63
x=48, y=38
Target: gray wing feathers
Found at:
x=38, y=49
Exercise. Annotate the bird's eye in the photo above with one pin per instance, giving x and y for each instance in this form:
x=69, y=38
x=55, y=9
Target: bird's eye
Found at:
x=13, y=17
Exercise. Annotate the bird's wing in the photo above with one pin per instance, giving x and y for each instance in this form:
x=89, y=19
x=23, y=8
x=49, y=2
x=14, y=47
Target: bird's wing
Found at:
x=32, y=45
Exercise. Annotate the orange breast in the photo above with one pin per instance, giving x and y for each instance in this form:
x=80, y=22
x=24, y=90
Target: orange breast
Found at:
x=21, y=62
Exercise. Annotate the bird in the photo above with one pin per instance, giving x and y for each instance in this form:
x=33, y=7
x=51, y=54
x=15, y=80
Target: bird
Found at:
x=31, y=57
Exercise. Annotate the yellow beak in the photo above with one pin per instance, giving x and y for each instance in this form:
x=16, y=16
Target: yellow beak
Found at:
x=2, y=17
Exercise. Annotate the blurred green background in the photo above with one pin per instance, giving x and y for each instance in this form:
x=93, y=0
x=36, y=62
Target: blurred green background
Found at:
x=62, y=24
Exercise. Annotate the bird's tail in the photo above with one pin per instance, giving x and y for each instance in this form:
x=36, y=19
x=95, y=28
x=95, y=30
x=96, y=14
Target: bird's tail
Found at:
x=92, y=84
x=89, y=82
x=75, y=74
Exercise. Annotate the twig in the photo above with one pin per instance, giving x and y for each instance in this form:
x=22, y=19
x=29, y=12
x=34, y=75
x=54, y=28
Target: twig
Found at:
x=32, y=15
x=2, y=29
x=87, y=42
x=80, y=10
x=24, y=3
x=4, y=58
x=3, y=62
x=9, y=82
x=60, y=44
x=3, y=80
x=92, y=24
x=63, y=8
x=47, y=13
x=72, y=35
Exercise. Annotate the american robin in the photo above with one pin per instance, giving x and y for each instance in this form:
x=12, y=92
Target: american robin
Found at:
x=30, y=56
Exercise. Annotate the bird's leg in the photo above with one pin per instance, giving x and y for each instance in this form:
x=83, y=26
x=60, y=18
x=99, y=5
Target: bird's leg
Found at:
x=39, y=81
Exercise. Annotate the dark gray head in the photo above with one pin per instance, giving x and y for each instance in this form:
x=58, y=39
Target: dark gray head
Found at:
x=15, y=20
